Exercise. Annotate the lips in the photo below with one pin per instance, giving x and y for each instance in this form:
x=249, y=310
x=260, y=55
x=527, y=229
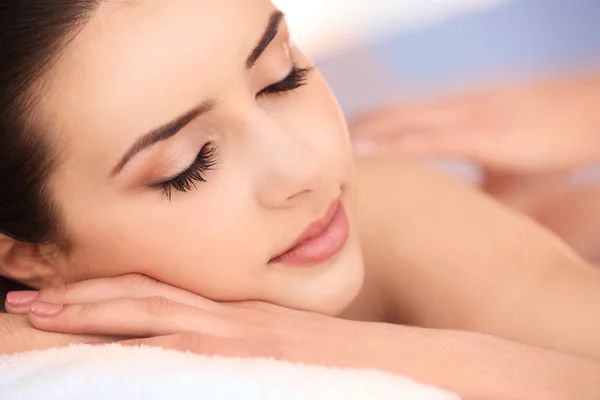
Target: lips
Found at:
x=320, y=241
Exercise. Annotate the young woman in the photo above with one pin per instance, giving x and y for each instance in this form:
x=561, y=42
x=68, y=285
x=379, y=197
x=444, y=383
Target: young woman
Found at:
x=191, y=142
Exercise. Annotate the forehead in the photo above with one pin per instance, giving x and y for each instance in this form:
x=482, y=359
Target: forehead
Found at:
x=152, y=57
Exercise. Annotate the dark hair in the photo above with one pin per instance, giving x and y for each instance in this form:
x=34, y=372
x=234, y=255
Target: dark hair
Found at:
x=32, y=36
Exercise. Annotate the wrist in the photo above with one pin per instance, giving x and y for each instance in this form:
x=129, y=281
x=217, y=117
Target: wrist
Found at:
x=13, y=331
x=19, y=336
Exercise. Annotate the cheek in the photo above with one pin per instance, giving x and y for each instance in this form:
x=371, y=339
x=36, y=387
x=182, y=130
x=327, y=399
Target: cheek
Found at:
x=204, y=241
x=325, y=124
x=212, y=241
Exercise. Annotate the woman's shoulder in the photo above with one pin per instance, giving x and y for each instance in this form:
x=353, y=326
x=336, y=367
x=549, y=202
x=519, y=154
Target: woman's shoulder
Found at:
x=390, y=189
x=395, y=198
x=427, y=235
x=395, y=175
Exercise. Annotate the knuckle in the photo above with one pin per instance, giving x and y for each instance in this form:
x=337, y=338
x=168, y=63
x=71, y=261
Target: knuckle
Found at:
x=140, y=285
x=159, y=306
x=55, y=293
x=137, y=280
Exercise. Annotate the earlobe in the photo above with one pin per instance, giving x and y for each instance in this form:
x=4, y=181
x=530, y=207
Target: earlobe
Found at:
x=27, y=264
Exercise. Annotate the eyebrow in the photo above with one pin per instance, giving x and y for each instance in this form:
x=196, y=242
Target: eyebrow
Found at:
x=163, y=133
x=268, y=36
x=170, y=129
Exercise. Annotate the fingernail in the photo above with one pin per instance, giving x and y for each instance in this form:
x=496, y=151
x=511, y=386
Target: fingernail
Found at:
x=364, y=147
x=94, y=344
x=42, y=309
x=21, y=299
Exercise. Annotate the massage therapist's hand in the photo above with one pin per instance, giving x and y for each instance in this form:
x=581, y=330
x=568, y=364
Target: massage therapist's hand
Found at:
x=167, y=317
x=525, y=129
x=528, y=138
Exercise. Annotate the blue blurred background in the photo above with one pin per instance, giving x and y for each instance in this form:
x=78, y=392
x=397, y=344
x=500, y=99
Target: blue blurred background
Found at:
x=515, y=39
x=426, y=49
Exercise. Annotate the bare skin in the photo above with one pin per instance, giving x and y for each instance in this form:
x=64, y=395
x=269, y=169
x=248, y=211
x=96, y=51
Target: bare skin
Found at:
x=522, y=128
x=515, y=281
x=470, y=282
x=529, y=137
x=178, y=320
x=208, y=240
x=464, y=261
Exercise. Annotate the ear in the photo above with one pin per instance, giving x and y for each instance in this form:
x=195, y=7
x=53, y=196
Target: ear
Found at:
x=30, y=264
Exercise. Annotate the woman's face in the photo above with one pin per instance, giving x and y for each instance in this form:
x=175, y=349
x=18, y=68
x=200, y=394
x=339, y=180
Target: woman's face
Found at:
x=195, y=149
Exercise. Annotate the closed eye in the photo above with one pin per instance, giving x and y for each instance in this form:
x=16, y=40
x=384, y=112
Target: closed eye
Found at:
x=195, y=173
x=295, y=79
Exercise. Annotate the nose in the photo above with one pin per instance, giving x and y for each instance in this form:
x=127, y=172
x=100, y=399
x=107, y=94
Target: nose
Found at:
x=292, y=166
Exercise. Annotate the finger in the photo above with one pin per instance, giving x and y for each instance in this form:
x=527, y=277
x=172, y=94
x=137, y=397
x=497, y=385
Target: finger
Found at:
x=383, y=133
x=476, y=147
x=405, y=119
x=127, y=286
x=208, y=345
x=153, y=316
x=18, y=302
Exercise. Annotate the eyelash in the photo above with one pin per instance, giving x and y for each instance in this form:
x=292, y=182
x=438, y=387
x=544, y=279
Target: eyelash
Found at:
x=295, y=79
x=207, y=158
x=186, y=181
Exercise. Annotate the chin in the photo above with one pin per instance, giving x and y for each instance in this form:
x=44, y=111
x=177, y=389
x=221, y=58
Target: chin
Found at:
x=332, y=287
x=339, y=297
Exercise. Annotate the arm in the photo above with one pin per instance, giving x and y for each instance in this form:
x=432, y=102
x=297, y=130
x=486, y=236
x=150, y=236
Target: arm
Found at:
x=449, y=257
x=17, y=335
x=473, y=365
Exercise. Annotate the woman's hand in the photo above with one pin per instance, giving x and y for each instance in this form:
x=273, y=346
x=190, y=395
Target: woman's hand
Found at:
x=521, y=130
x=160, y=315
x=146, y=308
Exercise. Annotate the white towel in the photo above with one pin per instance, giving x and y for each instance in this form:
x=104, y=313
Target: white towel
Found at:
x=114, y=372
